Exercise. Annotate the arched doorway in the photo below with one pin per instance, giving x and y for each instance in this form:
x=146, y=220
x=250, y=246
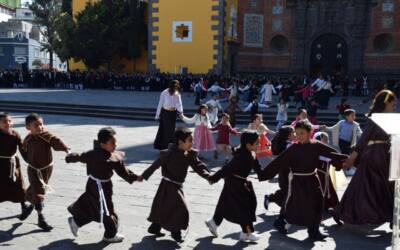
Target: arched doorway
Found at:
x=329, y=56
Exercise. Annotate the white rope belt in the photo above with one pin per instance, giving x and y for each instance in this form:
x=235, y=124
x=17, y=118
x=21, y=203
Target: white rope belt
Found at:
x=327, y=162
x=12, y=165
x=240, y=177
x=102, y=198
x=169, y=180
x=290, y=178
x=47, y=187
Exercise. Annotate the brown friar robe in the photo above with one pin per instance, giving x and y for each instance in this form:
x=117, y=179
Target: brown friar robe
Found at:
x=12, y=186
x=331, y=199
x=37, y=153
x=101, y=165
x=169, y=207
x=303, y=201
x=369, y=198
x=237, y=202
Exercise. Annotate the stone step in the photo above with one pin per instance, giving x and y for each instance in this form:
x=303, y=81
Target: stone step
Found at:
x=130, y=113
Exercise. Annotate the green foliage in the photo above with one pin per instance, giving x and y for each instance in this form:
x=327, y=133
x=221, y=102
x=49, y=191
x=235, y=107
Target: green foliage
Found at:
x=64, y=42
x=103, y=32
x=37, y=63
x=46, y=12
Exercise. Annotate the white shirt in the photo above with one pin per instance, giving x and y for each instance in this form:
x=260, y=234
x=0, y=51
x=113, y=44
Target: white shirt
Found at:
x=327, y=86
x=267, y=90
x=319, y=83
x=169, y=102
x=261, y=129
x=215, y=89
x=213, y=111
x=260, y=105
x=282, y=112
x=197, y=120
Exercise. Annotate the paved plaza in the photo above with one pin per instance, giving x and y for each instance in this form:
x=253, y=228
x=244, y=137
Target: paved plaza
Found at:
x=133, y=201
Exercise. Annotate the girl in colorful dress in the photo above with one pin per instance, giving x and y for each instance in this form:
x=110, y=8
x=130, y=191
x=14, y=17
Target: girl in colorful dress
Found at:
x=257, y=125
x=302, y=115
x=203, y=140
x=282, y=116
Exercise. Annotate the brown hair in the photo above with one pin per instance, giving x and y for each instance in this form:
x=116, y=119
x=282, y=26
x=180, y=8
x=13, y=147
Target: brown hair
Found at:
x=4, y=115
x=173, y=86
x=381, y=99
x=300, y=111
x=257, y=116
x=202, y=106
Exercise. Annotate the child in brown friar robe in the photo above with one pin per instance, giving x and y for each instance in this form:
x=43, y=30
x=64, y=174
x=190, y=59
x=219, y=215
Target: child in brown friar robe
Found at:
x=96, y=204
x=237, y=202
x=304, y=199
x=37, y=152
x=12, y=186
x=169, y=210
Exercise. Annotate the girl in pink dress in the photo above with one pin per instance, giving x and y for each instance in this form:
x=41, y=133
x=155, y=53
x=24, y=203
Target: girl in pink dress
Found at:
x=203, y=140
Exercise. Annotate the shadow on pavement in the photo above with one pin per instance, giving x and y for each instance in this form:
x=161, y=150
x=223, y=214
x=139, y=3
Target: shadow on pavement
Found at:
x=9, y=217
x=353, y=238
x=9, y=235
x=70, y=244
x=151, y=242
x=278, y=240
x=206, y=243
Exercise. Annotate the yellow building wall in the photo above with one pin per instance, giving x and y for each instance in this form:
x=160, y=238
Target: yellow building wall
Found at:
x=198, y=55
x=129, y=66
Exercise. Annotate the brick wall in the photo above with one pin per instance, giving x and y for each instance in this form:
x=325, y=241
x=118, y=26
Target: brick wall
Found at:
x=384, y=22
x=265, y=58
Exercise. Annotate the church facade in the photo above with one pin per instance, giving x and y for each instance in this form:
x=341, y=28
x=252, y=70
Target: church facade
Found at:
x=335, y=37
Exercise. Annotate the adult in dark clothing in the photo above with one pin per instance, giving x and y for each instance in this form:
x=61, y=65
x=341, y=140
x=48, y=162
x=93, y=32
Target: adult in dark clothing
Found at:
x=369, y=197
x=169, y=107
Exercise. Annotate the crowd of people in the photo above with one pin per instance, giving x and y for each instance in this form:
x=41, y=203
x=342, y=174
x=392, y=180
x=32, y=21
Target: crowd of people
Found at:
x=358, y=86
x=299, y=151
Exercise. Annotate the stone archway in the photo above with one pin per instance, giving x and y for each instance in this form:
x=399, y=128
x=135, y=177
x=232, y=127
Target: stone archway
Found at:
x=329, y=55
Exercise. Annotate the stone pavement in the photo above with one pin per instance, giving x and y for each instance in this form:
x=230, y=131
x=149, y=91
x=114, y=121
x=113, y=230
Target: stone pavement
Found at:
x=133, y=202
x=123, y=98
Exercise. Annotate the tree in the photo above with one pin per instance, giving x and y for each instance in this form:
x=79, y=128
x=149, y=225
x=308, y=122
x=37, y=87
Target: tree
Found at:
x=46, y=12
x=108, y=30
x=37, y=63
x=135, y=35
x=64, y=41
x=95, y=35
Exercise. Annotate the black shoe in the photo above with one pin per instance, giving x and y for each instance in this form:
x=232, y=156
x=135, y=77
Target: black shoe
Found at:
x=335, y=217
x=266, y=202
x=43, y=224
x=316, y=235
x=279, y=224
x=26, y=211
x=177, y=237
x=155, y=231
